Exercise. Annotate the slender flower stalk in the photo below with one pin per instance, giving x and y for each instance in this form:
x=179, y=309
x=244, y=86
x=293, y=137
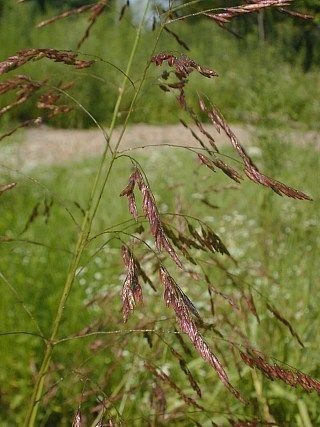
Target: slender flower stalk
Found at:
x=81, y=241
x=181, y=241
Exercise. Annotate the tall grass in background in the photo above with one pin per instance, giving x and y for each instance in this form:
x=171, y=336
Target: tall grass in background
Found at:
x=249, y=89
x=276, y=244
x=65, y=229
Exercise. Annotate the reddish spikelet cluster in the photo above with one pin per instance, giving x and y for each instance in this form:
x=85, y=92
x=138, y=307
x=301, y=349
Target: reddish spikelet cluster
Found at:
x=202, y=130
x=293, y=13
x=17, y=82
x=77, y=419
x=7, y=187
x=251, y=169
x=221, y=18
x=131, y=290
x=228, y=170
x=296, y=14
x=255, y=175
x=24, y=87
x=128, y=191
x=24, y=56
x=208, y=239
x=182, y=243
x=275, y=372
x=174, y=299
x=151, y=213
x=96, y=10
x=158, y=373
x=49, y=101
x=207, y=134
x=183, y=65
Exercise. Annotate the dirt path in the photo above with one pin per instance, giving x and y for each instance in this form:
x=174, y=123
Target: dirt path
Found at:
x=44, y=145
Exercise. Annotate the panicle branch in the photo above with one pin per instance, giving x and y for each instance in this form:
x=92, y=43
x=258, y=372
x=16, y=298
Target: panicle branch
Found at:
x=250, y=169
x=275, y=372
x=131, y=290
x=77, y=419
x=228, y=170
x=50, y=101
x=27, y=55
x=227, y=14
x=183, y=65
x=151, y=212
x=24, y=87
x=174, y=298
x=96, y=10
x=65, y=14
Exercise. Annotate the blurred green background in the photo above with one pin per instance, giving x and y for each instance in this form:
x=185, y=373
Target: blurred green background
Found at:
x=268, y=78
x=260, y=72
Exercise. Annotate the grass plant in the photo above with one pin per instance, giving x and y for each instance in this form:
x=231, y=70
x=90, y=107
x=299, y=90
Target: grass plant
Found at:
x=219, y=301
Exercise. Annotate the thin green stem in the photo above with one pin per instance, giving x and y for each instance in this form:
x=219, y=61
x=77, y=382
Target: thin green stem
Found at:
x=80, y=245
x=38, y=389
x=114, y=156
x=20, y=300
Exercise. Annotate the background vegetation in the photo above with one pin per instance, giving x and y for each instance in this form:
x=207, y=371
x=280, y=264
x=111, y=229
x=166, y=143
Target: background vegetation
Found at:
x=266, y=83
x=258, y=77
x=275, y=241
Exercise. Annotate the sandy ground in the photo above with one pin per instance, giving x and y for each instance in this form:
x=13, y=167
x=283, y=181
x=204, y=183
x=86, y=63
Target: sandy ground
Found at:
x=44, y=146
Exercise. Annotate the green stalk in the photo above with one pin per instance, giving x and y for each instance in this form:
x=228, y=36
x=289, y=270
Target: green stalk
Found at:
x=80, y=245
x=124, y=127
x=38, y=389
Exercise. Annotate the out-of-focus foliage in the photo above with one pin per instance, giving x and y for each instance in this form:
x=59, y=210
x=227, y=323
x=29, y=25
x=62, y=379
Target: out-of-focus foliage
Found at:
x=247, y=90
x=298, y=37
x=96, y=366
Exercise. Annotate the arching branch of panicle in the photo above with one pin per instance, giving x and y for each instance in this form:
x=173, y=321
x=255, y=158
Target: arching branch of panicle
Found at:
x=250, y=169
x=185, y=311
x=94, y=9
x=292, y=377
x=178, y=301
x=26, y=89
x=27, y=55
x=225, y=15
x=151, y=213
x=183, y=66
x=131, y=290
